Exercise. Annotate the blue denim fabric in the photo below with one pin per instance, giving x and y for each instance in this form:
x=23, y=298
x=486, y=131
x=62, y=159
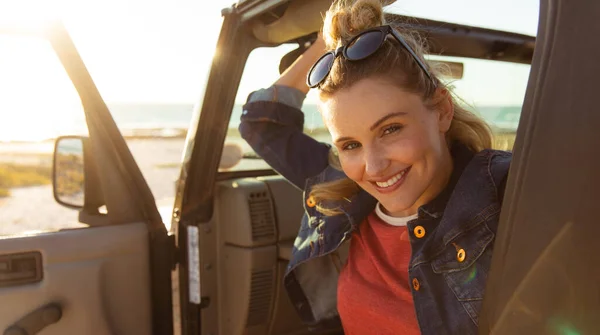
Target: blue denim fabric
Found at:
x=284, y=94
x=464, y=216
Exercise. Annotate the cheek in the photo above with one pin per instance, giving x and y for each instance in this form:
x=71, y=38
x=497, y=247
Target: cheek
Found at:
x=352, y=165
x=426, y=139
x=407, y=150
x=411, y=147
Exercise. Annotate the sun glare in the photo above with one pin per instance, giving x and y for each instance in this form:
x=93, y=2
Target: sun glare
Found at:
x=37, y=99
x=30, y=16
x=136, y=51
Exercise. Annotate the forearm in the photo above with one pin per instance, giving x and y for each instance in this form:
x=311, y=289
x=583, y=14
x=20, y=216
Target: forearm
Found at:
x=295, y=75
x=291, y=88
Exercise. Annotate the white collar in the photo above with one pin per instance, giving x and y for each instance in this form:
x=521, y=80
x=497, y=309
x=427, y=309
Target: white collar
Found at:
x=391, y=220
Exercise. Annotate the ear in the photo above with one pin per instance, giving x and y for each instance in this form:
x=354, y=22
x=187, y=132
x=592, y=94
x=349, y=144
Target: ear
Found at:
x=445, y=108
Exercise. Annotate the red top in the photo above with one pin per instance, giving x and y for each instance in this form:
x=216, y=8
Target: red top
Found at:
x=374, y=294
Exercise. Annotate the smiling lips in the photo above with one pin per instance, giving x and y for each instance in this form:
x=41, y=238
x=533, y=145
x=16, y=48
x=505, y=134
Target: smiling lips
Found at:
x=392, y=183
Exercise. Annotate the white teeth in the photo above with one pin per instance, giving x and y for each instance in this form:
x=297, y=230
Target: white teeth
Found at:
x=392, y=180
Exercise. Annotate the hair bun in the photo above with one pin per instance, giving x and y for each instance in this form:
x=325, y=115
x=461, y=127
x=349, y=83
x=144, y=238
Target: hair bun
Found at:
x=346, y=18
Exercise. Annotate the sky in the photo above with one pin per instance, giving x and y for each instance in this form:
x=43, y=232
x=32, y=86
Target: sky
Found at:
x=159, y=51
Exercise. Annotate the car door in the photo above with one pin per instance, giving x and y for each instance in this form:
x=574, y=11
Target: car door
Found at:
x=109, y=275
x=545, y=277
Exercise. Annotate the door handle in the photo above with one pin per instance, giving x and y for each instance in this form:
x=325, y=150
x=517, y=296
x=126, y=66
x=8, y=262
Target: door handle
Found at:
x=20, y=268
x=35, y=321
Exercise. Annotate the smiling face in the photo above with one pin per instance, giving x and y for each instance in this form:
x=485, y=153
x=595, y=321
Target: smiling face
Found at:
x=390, y=143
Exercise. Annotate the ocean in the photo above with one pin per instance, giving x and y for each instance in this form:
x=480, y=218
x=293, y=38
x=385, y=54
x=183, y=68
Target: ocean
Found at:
x=130, y=117
x=173, y=120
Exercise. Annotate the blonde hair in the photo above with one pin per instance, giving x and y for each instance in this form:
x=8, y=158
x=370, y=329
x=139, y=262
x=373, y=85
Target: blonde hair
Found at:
x=344, y=20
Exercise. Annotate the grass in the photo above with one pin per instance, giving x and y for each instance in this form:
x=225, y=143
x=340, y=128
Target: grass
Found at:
x=504, y=141
x=16, y=175
x=167, y=165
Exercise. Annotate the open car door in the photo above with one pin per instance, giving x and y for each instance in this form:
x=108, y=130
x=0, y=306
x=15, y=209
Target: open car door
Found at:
x=111, y=278
x=545, y=276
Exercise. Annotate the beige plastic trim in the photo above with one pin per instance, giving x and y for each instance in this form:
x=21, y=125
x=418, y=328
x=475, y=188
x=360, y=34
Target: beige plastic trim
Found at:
x=99, y=275
x=288, y=206
x=251, y=299
x=301, y=18
x=285, y=250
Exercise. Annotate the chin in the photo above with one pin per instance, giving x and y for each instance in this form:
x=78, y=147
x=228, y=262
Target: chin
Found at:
x=402, y=200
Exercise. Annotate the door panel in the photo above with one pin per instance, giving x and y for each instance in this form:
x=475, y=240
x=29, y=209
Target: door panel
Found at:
x=99, y=276
x=251, y=254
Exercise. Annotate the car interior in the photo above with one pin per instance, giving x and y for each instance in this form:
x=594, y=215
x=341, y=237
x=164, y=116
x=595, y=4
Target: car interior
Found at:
x=257, y=214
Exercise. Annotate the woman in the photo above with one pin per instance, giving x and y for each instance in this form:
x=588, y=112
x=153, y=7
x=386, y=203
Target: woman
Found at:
x=401, y=212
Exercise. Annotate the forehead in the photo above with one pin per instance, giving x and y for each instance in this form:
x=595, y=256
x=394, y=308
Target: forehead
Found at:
x=359, y=106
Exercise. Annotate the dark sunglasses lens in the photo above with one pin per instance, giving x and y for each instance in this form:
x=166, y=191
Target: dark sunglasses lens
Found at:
x=320, y=70
x=364, y=45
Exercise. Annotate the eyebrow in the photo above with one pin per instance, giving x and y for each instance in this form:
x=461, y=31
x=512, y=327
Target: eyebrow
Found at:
x=385, y=118
x=375, y=125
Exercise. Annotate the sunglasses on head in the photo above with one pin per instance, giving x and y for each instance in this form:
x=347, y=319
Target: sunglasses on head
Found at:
x=360, y=47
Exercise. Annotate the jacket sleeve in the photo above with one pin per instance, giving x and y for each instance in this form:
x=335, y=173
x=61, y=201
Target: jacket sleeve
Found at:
x=272, y=124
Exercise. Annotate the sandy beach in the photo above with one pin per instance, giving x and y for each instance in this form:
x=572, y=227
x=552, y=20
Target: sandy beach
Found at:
x=33, y=209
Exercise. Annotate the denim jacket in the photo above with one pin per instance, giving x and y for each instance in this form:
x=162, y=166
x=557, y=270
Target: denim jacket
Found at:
x=449, y=265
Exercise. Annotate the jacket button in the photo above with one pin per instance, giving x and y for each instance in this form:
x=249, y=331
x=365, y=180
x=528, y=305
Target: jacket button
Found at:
x=416, y=284
x=419, y=231
x=461, y=255
x=310, y=202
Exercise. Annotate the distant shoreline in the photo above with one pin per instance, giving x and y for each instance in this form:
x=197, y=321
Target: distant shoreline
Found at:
x=181, y=133
x=145, y=121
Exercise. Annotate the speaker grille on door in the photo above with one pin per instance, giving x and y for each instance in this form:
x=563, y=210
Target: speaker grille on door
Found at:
x=260, y=297
x=261, y=216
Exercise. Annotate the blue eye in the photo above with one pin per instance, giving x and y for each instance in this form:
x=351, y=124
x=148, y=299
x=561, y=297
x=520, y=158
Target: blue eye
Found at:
x=351, y=146
x=391, y=129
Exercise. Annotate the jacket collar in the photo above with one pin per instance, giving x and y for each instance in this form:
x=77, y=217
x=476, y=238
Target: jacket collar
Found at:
x=471, y=200
x=461, y=156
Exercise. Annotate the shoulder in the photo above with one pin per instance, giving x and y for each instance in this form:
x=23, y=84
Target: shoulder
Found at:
x=496, y=157
x=498, y=162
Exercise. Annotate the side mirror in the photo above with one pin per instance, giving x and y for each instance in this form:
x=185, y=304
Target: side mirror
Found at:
x=68, y=178
x=75, y=180
x=231, y=156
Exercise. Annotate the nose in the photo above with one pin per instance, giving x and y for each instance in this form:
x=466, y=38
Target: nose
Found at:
x=376, y=162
